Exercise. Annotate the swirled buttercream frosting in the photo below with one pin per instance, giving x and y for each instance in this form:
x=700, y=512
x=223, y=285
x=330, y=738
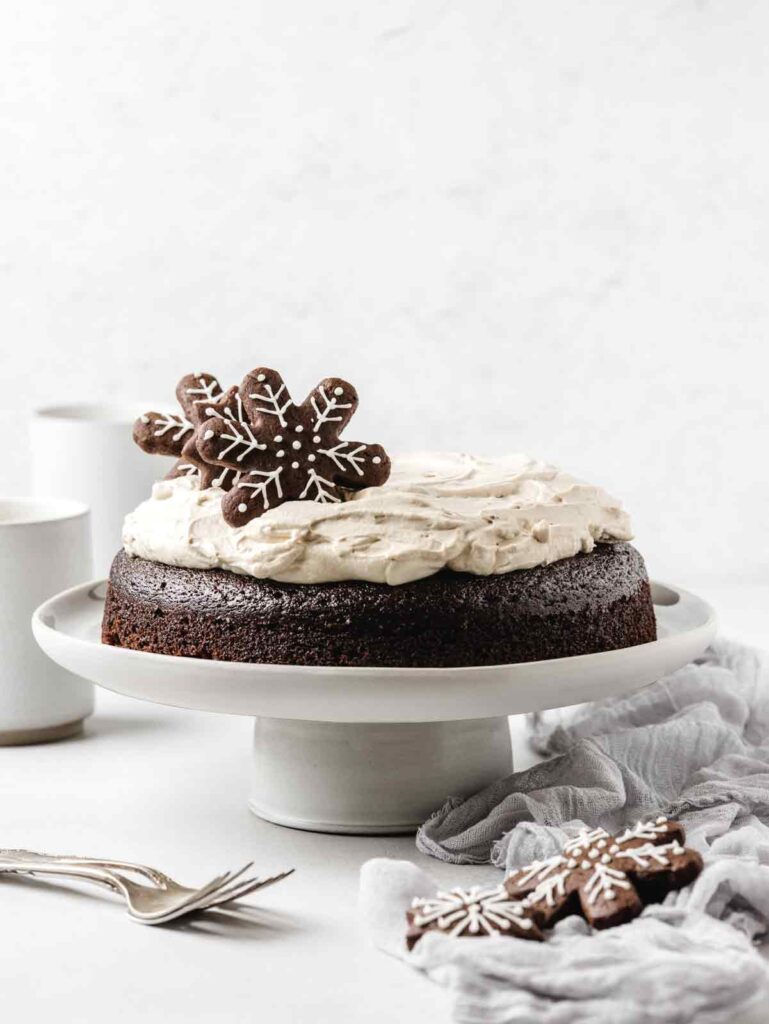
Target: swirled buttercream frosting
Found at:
x=482, y=516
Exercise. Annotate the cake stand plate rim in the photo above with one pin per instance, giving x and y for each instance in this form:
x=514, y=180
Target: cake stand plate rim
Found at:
x=66, y=628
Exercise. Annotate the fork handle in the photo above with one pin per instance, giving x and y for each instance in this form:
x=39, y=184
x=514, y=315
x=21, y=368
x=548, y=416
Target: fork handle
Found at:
x=97, y=862
x=49, y=868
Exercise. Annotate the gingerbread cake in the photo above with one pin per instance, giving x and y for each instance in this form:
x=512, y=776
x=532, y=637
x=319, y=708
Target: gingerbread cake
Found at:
x=429, y=560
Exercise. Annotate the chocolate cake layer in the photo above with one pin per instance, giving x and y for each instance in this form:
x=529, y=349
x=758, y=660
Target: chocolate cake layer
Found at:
x=591, y=602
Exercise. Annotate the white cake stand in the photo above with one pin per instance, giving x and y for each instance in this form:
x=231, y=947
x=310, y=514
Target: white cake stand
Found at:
x=368, y=750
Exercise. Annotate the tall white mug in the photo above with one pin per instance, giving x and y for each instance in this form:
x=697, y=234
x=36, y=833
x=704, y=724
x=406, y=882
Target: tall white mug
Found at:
x=86, y=453
x=45, y=547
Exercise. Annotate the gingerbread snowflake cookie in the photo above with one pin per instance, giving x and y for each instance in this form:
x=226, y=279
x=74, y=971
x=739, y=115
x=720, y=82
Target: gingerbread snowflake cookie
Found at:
x=201, y=397
x=287, y=452
x=607, y=879
x=471, y=913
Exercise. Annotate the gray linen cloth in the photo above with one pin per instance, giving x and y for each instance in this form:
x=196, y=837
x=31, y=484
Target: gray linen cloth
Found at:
x=693, y=746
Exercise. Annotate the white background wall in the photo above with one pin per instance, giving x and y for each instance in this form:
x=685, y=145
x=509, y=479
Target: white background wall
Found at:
x=512, y=225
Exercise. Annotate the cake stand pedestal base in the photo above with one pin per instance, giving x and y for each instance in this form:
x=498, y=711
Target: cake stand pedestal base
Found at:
x=371, y=778
x=367, y=749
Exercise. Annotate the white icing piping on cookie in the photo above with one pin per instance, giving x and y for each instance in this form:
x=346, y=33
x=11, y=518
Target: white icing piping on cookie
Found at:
x=473, y=911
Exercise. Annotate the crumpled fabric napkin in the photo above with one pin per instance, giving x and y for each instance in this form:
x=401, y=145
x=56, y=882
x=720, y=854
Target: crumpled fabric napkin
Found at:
x=694, y=746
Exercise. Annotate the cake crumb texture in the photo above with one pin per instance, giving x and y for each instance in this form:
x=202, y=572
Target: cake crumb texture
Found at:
x=592, y=602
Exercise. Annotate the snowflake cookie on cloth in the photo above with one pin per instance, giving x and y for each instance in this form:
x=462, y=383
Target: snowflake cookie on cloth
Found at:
x=287, y=452
x=470, y=913
x=607, y=879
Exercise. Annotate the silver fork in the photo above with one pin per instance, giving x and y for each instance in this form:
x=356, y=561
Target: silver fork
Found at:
x=146, y=904
x=229, y=891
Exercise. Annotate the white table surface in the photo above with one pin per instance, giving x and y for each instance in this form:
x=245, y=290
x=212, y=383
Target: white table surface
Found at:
x=169, y=788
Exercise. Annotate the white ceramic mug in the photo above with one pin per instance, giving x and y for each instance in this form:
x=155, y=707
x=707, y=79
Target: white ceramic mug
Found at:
x=86, y=453
x=45, y=547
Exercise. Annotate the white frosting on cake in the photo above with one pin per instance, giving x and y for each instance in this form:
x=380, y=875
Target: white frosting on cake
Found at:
x=436, y=511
